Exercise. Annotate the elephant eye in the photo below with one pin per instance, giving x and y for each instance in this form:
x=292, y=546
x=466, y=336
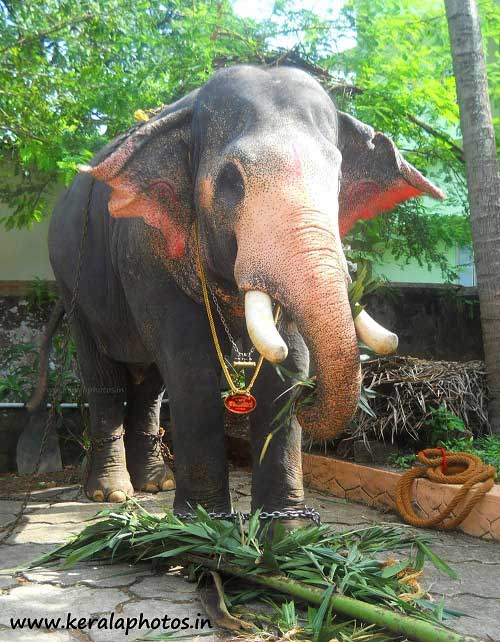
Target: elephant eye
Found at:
x=229, y=186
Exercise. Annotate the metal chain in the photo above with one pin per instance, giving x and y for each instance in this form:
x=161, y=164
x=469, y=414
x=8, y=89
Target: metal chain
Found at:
x=158, y=444
x=211, y=321
x=97, y=444
x=57, y=395
x=242, y=356
x=288, y=513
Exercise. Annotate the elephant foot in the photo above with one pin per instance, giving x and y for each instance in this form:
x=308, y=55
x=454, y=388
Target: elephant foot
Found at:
x=148, y=471
x=294, y=515
x=268, y=528
x=107, y=479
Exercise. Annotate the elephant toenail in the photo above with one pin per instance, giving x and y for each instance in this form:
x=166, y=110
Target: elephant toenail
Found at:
x=151, y=487
x=98, y=496
x=168, y=484
x=117, y=496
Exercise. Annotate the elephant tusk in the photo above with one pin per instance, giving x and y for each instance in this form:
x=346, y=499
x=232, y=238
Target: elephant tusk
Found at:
x=261, y=328
x=375, y=336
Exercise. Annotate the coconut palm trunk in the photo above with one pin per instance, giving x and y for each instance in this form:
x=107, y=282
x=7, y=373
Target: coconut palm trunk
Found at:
x=483, y=179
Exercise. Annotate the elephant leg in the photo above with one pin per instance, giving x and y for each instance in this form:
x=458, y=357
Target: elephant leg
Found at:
x=147, y=468
x=277, y=480
x=192, y=377
x=104, y=380
x=176, y=331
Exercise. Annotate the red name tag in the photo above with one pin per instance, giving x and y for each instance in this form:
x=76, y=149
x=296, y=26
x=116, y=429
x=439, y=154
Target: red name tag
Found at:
x=241, y=404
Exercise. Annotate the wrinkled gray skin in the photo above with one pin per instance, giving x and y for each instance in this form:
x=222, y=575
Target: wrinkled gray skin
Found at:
x=224, y=156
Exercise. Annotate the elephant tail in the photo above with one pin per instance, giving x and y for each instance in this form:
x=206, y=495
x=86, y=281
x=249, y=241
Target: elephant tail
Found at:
x=43, y=365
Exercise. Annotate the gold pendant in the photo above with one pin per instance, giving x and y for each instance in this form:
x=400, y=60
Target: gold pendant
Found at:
x=244, y=364
x=241, y=403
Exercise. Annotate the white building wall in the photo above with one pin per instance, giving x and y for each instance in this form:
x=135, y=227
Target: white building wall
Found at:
x=24, y=254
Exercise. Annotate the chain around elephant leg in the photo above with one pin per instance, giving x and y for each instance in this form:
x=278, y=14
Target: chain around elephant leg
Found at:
x=277, y=475
x=148, y=458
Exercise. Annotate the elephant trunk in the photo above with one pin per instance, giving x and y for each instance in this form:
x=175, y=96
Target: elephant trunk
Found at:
x=299, y=262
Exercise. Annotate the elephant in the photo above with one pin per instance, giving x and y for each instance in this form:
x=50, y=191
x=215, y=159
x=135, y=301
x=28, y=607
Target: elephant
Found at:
x=268, y=174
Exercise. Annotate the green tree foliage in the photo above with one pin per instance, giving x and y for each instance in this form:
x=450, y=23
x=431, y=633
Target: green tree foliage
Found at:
x=73, y=72
x=403, y=84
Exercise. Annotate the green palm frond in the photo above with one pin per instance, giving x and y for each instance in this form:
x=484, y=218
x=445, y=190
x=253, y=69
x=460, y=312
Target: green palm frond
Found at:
x=333, y=572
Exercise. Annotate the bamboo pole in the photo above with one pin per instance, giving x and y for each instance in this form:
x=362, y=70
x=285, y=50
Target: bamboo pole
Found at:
x=413, y=628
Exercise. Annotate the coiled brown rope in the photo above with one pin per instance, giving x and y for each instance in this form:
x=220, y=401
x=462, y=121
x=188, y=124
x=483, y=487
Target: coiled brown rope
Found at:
x=461, y=468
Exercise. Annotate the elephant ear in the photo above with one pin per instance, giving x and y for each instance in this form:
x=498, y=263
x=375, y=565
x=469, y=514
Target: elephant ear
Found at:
x=375, y=177
x=149, y=175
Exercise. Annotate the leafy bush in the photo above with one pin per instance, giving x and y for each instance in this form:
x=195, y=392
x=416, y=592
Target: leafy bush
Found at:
x=444, y=426
x=40, y=293
x=19, y=363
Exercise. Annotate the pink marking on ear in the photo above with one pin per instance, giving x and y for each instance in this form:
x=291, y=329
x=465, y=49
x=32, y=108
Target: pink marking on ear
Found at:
x=156, y=209
x=365, y=199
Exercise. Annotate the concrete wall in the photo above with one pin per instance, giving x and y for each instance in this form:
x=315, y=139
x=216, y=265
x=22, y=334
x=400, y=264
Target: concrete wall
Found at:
x=431, y=321
x=399, y=271
x=24, y=254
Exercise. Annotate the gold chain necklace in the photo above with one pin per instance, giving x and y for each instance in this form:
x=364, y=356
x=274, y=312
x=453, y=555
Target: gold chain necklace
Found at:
x=240, y=401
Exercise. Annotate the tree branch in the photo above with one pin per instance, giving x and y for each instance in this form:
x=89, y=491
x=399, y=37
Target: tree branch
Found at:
x=19, y=131
x=43, y=34
x=457, y=151
x=337, y=86
x=292, y=56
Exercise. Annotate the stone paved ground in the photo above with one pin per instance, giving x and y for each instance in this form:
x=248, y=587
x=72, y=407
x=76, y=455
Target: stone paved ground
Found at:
x=90, y=590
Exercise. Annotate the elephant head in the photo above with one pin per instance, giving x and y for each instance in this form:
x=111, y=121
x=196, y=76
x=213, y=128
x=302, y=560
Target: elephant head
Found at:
x=274, y=176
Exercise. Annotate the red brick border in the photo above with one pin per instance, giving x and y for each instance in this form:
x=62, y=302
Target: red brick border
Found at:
x=21, y=288
x=376, y=487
